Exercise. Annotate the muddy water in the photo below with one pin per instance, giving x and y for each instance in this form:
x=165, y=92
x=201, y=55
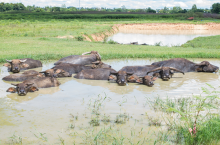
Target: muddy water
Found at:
x=48, y=111
x=166, y=37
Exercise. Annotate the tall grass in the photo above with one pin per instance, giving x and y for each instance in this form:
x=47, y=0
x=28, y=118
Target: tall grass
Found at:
x=194, y=120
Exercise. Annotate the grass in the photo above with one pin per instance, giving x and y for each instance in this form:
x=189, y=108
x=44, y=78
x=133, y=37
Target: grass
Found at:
x=54, y=49
x=210, y=42
x=192, y=120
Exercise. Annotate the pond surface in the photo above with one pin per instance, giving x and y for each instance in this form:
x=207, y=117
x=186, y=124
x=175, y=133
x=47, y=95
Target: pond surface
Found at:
x=166, y=37
x=48, y=110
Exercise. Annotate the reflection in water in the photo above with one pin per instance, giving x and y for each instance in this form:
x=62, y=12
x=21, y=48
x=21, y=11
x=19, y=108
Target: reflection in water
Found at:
x=166, y=37
x=48, y=109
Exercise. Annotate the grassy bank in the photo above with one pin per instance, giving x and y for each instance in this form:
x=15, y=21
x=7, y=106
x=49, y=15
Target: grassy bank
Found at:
x=211, y=42
x=55, y=48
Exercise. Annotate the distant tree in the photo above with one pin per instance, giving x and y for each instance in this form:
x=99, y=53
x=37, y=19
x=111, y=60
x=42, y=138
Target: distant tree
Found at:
x=123, y=8
x=176, y=9
x=56, y=9
x=149, y=10
x=119, y=10
x=194, y=8
x=183, y=11
x=215, y=8
x=165, y=10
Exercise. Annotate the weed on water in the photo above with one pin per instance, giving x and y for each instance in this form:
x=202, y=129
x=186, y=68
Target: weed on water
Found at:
x=40, y=135
x=15, y=139
x=195, y=120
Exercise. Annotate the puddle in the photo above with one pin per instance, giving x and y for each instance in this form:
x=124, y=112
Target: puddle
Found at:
x=48, y=110
x=166, y=37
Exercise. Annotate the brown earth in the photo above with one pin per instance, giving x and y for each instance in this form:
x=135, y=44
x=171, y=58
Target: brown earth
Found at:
x=150, y=26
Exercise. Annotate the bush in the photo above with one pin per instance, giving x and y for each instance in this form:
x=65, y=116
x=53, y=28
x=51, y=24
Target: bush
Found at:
x=79, y=38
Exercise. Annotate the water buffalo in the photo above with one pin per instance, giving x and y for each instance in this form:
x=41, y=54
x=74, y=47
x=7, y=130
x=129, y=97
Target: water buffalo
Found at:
x=56, y=73
x=75, y=68
x=165, y=72
x=27, y=75
x=81, y=59
x=147, y=80
x=139, y=71
x=16, y=65
x=95, y=74
x=122, y=77
x=187, y=66
x=32, y=85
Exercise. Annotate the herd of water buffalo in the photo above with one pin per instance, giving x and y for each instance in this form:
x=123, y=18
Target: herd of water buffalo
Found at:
x=91, y=67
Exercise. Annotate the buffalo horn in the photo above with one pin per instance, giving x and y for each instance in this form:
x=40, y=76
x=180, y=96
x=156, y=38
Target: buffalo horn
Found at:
x=202, y=63
x=171, y=68
x=14, y=84
x=99, y=55
x=95, y=62
x=154, y=70
x=9, y=60
x=86, y=53
x=23, y=60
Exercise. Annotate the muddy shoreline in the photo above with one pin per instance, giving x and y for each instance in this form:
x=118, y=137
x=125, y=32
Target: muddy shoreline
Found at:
x=152, y=26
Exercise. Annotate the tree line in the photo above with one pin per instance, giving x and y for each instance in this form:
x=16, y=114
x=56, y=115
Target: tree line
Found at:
x=4, y=7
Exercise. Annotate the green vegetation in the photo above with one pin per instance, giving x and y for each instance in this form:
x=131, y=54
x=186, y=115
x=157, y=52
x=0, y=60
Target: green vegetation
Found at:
x=210, y=42
x=191, y=120
x=54, y=49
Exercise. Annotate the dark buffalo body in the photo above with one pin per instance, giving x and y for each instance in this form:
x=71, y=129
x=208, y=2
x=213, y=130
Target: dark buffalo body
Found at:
x=33, y=85
x=187, y=66
x=71, y=68
x=95, y=74
x=139, y=71
x=22, y=64
x=27, y=75
x=81, y=59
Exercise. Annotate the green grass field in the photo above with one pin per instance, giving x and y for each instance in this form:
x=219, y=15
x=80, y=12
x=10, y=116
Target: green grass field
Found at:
x=37, y=39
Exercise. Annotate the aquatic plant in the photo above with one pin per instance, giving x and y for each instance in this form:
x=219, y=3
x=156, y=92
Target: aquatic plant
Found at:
x=192, y=117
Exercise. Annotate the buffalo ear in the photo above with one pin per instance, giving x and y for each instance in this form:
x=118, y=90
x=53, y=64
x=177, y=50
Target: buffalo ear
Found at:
x=7, y=65
x=33, y=89
x=140, y=80
x=10, y=61
x=25, y=65
x=29, y=84
x=12, y=90
x=154, y=78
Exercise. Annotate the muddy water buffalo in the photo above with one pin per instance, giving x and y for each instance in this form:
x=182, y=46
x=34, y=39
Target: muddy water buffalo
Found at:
x=147, y=80
x=27, y=75
x=122, y=77
x=187, y=66
x=32, y=85
x=165, y=72
x=95, y=74
x=75, y=68
x=81, y=59
x=139, y=71
x=57, y=73
x=16, y=65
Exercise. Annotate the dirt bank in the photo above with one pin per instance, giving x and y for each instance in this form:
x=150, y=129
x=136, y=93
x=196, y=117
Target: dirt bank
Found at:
x=170, y=26
x=153, y=26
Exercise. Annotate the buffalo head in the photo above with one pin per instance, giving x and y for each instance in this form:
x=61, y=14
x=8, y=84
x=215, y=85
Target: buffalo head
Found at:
x=165, y=72
x=205, y=66
x=122, y=77
x=22, y=89
x=147, y=80
x=56, y=73
x=99, y=64
x=98, y=56
x=16, y=65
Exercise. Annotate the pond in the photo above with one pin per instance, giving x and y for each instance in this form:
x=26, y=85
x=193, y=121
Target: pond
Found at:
x=164, y=37
x=65, y=111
